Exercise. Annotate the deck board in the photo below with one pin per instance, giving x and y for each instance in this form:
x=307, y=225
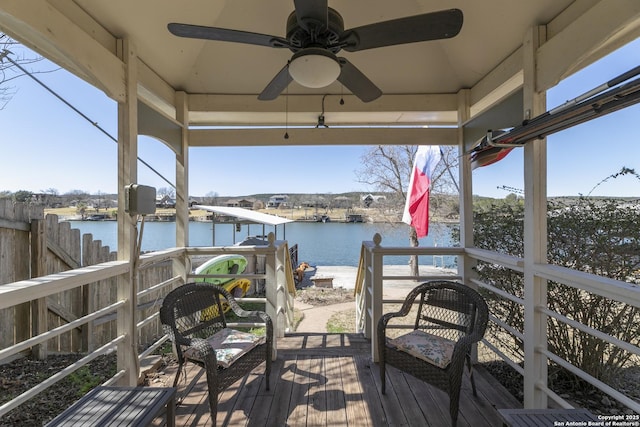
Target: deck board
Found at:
x=329, y=379
x=355, y=406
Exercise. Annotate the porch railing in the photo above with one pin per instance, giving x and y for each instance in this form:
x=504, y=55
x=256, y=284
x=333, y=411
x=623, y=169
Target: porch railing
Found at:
x=278, y=304
x=370, y=307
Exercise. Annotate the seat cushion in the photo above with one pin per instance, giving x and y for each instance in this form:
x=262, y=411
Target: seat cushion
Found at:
x=430, y=348
x=229, y=345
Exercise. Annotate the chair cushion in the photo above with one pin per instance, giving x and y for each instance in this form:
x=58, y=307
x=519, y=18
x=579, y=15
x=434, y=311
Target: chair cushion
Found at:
x=229, y=346
x=430, y=348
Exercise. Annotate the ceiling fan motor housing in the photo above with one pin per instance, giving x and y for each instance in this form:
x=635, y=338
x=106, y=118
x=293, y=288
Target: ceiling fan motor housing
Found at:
x=318, y=34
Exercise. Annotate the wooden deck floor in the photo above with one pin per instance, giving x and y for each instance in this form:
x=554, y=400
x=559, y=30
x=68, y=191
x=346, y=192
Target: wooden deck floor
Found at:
x=329, y=380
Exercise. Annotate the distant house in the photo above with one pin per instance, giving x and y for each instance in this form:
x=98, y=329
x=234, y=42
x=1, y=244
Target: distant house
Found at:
x=165, y=202
x=277, y=200
x=370, y=198
x=240, y=203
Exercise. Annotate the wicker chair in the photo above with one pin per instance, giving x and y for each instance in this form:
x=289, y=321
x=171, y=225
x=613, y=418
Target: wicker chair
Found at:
x=191, y=315
x=450, y=318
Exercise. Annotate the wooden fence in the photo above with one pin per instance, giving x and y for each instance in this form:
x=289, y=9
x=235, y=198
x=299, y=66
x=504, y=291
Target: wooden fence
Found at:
x=32, y=245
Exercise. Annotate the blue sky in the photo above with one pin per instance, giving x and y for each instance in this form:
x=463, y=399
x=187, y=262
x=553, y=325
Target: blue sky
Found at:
x=44, y=144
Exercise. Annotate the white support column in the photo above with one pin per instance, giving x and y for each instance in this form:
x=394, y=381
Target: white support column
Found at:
x=127, y=174
x=376, y=295
x=271, y=287
x=367, y=290
x=182, y=266
x=182, y=173
x=535, y=232
x=282, y=291
x=465, y=198
x=465, y=263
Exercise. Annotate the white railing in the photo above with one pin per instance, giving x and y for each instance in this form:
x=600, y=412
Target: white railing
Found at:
x=278, y=304
x=371, y=279
x=369, y=307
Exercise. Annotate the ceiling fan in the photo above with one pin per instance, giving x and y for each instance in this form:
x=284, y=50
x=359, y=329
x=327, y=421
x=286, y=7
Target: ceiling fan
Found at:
x=315, y=34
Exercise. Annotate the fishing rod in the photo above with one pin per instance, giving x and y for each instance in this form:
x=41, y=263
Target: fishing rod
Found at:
x=603, y=99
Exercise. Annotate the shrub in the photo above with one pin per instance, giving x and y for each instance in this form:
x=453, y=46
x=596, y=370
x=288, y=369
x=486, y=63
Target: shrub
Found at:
x=595, y=236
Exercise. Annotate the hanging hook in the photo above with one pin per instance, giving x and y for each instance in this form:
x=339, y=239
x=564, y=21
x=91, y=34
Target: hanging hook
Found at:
x=321, y=116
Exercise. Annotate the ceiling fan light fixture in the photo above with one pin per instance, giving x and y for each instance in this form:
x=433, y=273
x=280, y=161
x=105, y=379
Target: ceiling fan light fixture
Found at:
x=314, y=67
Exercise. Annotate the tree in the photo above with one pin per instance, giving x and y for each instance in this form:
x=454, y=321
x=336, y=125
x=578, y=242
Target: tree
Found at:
x=590, y=235
x=50, y=196
x=12, y=53
x=23, y=196
x=388, y=168
x=167, y=191
x=211, y=198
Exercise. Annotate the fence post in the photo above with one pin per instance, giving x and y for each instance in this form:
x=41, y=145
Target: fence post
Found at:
x=271, y=292
x=376, y=294
x=38, y=268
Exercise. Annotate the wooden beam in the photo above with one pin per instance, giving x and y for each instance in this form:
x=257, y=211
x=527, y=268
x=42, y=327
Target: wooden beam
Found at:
x=26, y=290
x=61, y=311
x=313, y=103
x=155, y=92
x=331, y=136
x=581, y=42
x=41, y=27
x=63, y=255
x=497, y=84
x=14, y=225
x=303, y=110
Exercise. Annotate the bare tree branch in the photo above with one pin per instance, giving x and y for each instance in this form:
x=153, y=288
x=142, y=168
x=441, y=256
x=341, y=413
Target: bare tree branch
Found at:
x=388, y=168
x=8, y=71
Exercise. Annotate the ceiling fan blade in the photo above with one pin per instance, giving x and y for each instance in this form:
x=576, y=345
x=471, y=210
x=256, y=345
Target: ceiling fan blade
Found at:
x=312, y=11
x=356, y=82
x=225, y=35
x=276, y=85
x=430, y=26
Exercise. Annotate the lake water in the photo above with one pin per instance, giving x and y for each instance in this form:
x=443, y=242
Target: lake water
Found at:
x=331, y=243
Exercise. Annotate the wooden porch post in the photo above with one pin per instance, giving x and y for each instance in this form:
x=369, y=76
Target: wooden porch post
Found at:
x=465, y=200
x=282, y=291
x=465, y=263
x=272, y=289
x=38, y=268
x=366, y=295
x=376, y=295
x=182, y=266
x=127, y=174
x=535, y=231
x=182, y=173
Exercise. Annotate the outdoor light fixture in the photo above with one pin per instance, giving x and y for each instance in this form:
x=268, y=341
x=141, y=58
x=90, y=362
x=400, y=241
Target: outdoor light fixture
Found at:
x=314, y=67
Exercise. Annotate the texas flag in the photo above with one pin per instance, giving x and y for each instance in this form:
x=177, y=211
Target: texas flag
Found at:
x=416, y=209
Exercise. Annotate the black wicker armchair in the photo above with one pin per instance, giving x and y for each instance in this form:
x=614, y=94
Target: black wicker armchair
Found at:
x=450, y=318
x=193, y=316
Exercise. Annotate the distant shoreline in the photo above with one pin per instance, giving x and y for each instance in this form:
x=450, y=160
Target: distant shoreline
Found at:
x=370, y=215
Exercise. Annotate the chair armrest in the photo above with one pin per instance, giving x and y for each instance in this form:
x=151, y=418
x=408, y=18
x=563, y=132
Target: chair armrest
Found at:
x=404, y=310
x=176, y=337
x=240, y=312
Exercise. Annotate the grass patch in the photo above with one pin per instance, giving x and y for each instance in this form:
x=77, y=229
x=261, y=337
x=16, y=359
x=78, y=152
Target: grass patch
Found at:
x=342, y=322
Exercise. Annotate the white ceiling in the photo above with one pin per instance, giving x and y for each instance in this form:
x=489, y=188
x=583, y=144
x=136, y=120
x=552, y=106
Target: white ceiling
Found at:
x=420, y=81
x=203, y=66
